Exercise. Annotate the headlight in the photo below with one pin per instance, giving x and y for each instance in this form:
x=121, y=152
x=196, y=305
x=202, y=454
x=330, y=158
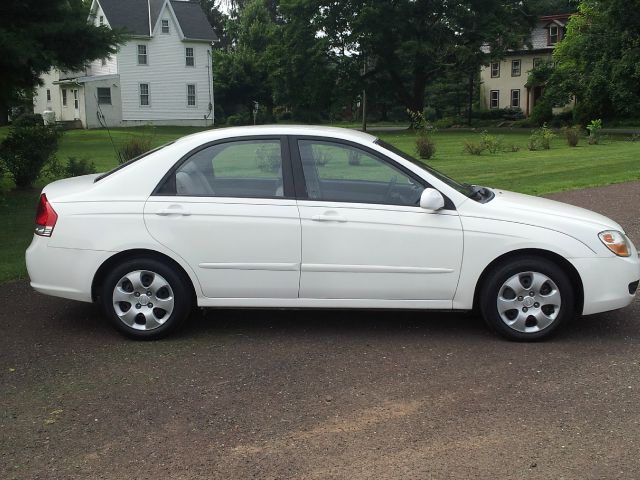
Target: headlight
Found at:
x=616, y=241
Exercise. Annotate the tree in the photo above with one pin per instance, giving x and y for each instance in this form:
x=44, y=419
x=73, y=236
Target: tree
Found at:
x=241, y=71
x=415, y=41
x=37, y=35
x=299, y=63
x=597, y=62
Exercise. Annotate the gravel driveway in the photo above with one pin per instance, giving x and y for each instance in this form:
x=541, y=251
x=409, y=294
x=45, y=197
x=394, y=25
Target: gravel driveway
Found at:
x=299, y=394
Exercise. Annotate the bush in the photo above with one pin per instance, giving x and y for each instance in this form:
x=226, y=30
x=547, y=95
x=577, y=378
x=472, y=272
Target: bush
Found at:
x=354, y=157
x=541, y=138
x=134, y=147
x=237, y=120
x=425, y=147
x=268, y=157
x=491, y=143
x=564, y=119
x=513, y=148
x=446, y=122
x=26, y=150
x=474, y=148
x=28, y=120
x=77, y=167
x=594, y=128
x=542, y=113
x=572, y=134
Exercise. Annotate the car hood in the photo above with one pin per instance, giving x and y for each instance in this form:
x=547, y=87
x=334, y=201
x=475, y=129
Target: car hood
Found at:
x=579, y=223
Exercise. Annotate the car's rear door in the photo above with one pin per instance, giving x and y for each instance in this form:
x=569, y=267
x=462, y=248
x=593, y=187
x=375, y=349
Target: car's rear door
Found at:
x=364, y=235
x=229, y=210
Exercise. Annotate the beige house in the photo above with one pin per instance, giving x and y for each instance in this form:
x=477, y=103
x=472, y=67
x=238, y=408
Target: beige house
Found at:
x=504, y=82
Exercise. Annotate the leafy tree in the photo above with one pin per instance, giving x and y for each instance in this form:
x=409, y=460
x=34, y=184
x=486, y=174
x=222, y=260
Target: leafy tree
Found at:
x=415, y=41
x=300, y=66
x=241, y=71
x=597, y=62
x=37, y=35
x=27, y=149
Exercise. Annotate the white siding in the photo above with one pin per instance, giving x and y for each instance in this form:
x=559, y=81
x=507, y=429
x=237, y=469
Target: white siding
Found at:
x=96, y=67
x=166, y=74
x=40, y=102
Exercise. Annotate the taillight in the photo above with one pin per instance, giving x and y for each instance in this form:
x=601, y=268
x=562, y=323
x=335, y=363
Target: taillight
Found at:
x=46, y=217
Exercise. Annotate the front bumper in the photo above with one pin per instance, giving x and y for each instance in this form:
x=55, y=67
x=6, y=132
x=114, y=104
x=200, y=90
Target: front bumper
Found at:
x=606, y=282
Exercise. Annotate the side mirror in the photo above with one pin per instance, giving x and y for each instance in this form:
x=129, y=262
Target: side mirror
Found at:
x=431, y=199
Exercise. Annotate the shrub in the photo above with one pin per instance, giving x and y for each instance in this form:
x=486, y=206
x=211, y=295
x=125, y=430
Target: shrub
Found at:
x=268, y=157
x=572, y=134
x=491, y=143
x=237, y=120
x=513, y=148
x=474, y=148
x=134, y=147
x=541, y=138
x=77, y=167
x=542, y=113
x=322, y=158
x=594, y=128
x=28, y=120
x=26, y=150
x=354, y=157
x=425, y=147
x=446, y=122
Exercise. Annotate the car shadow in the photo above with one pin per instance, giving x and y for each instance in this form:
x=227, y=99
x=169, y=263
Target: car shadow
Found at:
x=87, y=320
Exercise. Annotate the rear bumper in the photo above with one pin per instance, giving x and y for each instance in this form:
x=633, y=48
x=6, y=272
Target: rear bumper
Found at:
x=62, y=272
x=606, y=282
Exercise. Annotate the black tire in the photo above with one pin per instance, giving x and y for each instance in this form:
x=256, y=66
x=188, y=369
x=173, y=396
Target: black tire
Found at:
x=178, y=290
x=517, y=269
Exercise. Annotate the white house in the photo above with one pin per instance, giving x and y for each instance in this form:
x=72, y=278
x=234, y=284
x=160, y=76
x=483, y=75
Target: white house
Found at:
x=504, y=81
x=161, y=75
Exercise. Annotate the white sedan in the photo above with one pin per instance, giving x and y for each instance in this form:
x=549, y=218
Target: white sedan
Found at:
x=284, y=216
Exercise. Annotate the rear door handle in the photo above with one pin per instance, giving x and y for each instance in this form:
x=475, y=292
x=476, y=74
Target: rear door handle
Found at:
x=173, y=210
x=329, y=217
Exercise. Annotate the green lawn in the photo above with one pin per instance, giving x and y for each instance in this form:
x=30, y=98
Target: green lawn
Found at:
x=561, y=168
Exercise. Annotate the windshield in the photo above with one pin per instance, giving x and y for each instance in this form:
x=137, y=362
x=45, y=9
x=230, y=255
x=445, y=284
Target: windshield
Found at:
x=465, y=189
x=129, y=162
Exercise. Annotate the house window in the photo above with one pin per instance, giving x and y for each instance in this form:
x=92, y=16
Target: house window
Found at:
x=191, y=95
x=142, y=55
x=495, y=69
x=537, y=62
x=64, y=97
x=144, y=94
x=494, y=99
x=48, y=95
x=554, y=34
x=103, y=61
x=165, y=26
x=104, y=96
x=101, y=20
x=515, y=68
x=515, y=98
x=189, y=58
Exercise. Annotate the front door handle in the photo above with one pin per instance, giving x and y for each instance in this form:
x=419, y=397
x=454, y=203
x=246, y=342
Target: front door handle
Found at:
x=173, y=210
x=329, y=217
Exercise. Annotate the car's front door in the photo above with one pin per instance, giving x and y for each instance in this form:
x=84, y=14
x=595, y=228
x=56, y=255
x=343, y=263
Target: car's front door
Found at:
x=229, y=211
x=364, y=235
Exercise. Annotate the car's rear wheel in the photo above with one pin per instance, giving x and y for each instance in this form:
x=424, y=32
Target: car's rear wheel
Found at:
x=145, y=299
x=527, y=298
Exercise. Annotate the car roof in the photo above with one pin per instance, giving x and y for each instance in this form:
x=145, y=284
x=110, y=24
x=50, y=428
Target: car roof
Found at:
x=302, y=130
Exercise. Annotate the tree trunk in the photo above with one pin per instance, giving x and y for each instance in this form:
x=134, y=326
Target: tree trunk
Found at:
x=470, y=109
x=4, y=113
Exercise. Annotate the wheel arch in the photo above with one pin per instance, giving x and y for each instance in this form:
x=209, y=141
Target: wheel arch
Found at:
x=112, y=261
x=562, y=262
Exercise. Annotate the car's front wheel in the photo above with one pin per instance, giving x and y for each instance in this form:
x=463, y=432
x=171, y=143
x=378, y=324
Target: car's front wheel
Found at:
x=527, y=298
x=145, y=299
